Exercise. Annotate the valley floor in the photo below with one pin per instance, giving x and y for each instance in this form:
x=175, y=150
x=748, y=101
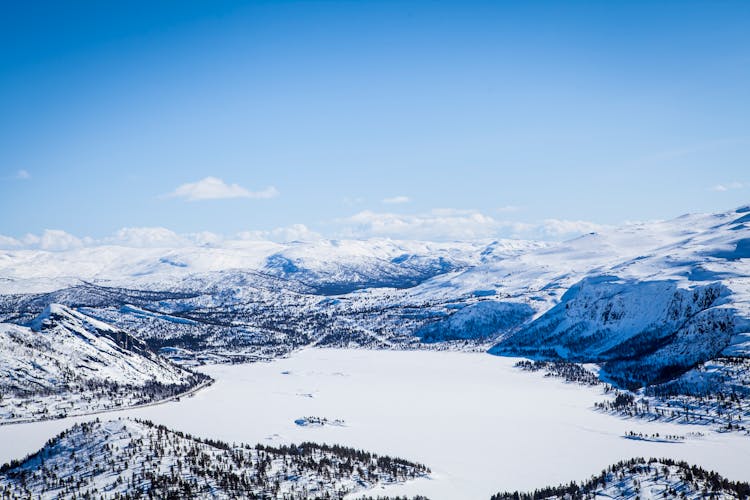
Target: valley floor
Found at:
x=480, y=424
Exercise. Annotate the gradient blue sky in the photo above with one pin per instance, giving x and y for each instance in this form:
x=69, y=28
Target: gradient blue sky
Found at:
x=518, y=111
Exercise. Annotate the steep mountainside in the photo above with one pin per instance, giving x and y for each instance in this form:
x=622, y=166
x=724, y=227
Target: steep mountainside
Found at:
x=136, y=459
x=642, y=331
x=68, y=363
x=650, y=318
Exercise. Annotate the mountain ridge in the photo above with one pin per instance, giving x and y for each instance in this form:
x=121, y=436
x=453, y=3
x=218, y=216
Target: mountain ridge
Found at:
x=67, y=363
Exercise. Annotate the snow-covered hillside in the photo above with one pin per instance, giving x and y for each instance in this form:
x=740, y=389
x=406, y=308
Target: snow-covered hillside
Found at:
x=643, y=331
x=648, y=301
x=655, y=315
x=643, y=479
x=67, y=363
x=137, y=459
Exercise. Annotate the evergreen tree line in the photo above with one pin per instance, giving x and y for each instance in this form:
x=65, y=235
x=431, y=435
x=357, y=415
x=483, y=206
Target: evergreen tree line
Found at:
x=692, y=477
x=142, y=460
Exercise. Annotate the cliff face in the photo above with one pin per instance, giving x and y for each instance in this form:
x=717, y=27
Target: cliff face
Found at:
x=643, y=332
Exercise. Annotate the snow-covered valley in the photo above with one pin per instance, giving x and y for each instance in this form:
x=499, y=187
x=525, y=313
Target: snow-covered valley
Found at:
x=375, y=250
x=479, y=423
x=400, y=348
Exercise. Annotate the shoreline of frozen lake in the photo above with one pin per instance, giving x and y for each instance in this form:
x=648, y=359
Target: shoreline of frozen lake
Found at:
x=481, y=425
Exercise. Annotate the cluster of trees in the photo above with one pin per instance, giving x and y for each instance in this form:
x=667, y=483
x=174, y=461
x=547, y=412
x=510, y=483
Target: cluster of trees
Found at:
x=725, y=411
x=87, y=395
x=654, y=436
x=709, y=406
x=677, y=478
x=728, y=378
x=571, y=372
x=418, y=497
x=138, y=459
x=724, y=401
x=319, y=421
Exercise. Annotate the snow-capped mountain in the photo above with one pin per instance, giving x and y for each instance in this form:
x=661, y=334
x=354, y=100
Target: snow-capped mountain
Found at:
x=137, y=459
x=663, y=309
x=250, y=297
x=654, y=315
x=335, y=266
x=66, y=362
x=649, y=301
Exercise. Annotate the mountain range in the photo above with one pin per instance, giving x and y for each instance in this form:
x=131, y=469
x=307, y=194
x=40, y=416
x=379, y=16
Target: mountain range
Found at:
x=648, y=302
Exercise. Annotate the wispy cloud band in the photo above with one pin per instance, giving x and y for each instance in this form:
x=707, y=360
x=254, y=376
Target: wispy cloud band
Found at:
x=729, y=186
x=397, y=200
x=214, y=188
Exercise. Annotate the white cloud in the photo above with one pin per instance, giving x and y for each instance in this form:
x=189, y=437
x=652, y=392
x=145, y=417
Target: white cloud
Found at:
x=145, y=237
x=295, y=232
x=57, y=240
x=508, y=209
x=455, y=224
x=30, y=240
x=205, y=238
x=159, y=237
x=213, y=188
x=7, y=242
x=440, y=224
x=449, y=212
x=350, y=201
x=728, y=186
x=397, y=200
x=23, y=175
x=556, y=228
x=151, y=237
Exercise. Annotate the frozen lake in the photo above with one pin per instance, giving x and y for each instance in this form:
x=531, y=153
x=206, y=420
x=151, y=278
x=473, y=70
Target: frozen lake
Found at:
x=480, y=424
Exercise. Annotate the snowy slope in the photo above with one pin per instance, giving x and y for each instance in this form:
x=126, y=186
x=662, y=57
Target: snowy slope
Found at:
x=654, y=315
x=66, y=362
x=141, y=459
x=643, y=331
x=689, y=248
x=644, y=479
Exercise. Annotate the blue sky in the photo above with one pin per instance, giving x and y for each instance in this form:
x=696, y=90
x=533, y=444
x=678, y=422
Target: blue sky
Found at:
x=370, y=118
